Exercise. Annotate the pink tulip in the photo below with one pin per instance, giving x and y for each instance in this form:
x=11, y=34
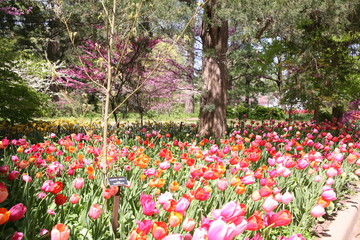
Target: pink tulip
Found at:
x=182, y=205
x=164, y=197
x=95, y=211
x=148, y=205
x=26, y=178
x=222, y=184
x=329, y=195
x=230, y=212
x=317, y=211
x=17, y=236
x=331, y=172
x=200, y=234
x=270, y=204
x=74, y=199
x=189, y=224
x=60, y=232
x=175, y=236
x=145, y=226
x=287, y=198
x=78, y=183
x=17, y=212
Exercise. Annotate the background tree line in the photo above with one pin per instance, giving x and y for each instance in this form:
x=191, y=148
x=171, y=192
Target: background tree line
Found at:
x=303, y=53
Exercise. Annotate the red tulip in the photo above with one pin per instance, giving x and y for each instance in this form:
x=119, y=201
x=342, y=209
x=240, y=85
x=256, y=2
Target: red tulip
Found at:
x=60, y=232
x=60, y=199
x=95, y=211
x=282, y=218
x=201, y=194
x=255, y=223
x=17, y=212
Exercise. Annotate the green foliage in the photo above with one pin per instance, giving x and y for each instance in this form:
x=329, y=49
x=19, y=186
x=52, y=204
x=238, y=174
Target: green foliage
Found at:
x=239, y=112
x=257, y=113
x=262, y=113
x=18, y=101
x=325, y=114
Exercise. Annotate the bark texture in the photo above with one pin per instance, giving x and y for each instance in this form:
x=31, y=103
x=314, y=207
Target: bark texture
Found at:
x=214, y=73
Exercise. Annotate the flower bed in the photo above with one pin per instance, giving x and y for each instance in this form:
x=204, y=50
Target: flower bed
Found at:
x=262, y=181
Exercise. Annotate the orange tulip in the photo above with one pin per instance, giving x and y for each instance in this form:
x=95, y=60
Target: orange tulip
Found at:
x=4, y=215
x=3, y=192
x=60, y=232
x=175, y=219
x=174, y=186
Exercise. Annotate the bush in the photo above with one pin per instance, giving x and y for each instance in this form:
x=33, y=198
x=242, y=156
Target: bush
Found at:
x=20, y=103
x=262, y=113
x=237, y=112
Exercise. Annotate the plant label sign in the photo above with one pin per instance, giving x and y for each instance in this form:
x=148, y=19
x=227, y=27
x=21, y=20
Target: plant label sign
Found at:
x=118, y=181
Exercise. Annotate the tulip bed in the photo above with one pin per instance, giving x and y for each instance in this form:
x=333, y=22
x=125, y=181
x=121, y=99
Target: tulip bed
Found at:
x=269, y=180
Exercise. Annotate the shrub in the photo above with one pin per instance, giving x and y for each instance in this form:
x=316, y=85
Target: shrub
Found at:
x=262, y=113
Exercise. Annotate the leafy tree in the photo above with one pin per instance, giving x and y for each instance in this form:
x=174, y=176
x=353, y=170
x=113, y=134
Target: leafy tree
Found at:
x=18, y=101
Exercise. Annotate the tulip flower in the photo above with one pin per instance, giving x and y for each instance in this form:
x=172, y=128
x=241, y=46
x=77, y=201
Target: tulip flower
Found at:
x=17, y=212
x=17, y=236
x=254, y=223
x=78, y=183
x=74, y=199
x=201, y=194
x=95, y=211
x=200, y=234
x=270, y=204
x=175, y=236
x=222, y=184
x=159, y=230
x=4, y=215
x=164, y=197
x=182, y=205
x=317, y=211
x=189, y=224
x=282, y=218
x=60, y=232
x=231, y=212
x=60, y=199
x=175, y=219
x=3, y=192
x=145, y=226
x=287, y=198
x=148, y=205
x=329, y=195
x=13, y=175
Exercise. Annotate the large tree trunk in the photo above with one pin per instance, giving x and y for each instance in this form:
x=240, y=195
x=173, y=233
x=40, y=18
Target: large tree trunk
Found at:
x=214, y=73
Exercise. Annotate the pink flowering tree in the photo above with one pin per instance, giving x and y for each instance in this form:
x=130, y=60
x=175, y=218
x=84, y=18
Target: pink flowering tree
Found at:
x=14, y=10
x=134, y=67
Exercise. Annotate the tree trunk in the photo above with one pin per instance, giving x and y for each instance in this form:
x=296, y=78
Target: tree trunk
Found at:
x=190, y=103
x=190, y=98
x=317, y=112
x=337, y=112
x=214, y=73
